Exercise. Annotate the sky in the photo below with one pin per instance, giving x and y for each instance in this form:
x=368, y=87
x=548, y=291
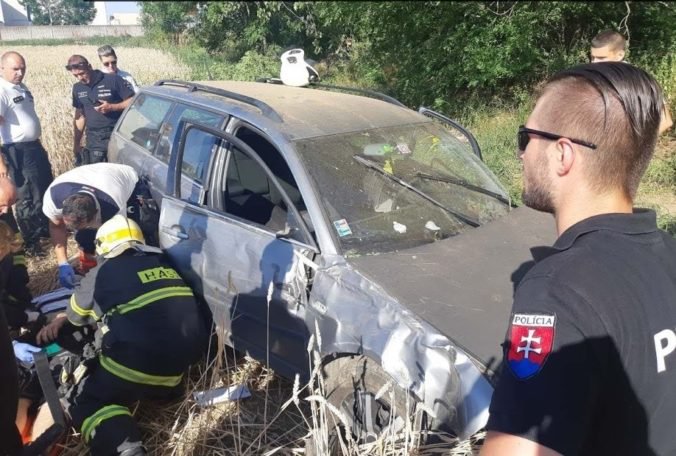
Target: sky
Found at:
x=122, y=7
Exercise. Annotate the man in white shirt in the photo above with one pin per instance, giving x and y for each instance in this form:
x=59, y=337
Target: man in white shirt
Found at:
x=24, y=157
x=81, y=200
x=108, y=60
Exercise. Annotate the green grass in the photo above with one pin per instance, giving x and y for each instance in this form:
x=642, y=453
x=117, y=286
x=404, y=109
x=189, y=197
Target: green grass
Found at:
x=495, y=131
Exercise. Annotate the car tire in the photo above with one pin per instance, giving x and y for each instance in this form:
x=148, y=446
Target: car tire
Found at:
x=370, y=400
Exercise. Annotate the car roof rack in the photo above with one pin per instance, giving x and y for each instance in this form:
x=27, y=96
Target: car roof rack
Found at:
x=265, y=108
x=370, y=93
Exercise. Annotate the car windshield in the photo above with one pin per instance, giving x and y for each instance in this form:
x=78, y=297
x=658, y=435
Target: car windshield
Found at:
x=399, y=187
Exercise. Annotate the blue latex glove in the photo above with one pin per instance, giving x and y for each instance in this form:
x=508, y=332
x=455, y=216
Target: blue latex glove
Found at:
x=24, y=352
x=66, y=275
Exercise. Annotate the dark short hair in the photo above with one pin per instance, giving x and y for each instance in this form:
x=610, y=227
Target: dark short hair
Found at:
x=611, y=38
x=80, y=207
x=106, y=51
x=77, y=62
x=614, y=105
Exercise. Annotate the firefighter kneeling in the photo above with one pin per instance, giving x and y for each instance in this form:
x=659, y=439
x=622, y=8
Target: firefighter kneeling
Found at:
x=149, y=331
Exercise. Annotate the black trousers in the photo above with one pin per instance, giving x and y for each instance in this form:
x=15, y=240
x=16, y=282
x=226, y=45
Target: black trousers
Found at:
x=32, y=173
x=96, y=146
x=99, y=404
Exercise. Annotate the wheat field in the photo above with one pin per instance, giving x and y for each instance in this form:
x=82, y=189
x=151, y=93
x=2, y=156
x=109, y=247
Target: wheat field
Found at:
x=51, y=85
x=278, y=418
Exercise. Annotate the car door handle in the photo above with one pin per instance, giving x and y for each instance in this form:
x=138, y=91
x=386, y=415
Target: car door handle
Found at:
x=176, y=232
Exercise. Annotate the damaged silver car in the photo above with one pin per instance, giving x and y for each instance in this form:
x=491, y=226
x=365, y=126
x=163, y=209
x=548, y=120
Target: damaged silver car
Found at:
x=296, y=210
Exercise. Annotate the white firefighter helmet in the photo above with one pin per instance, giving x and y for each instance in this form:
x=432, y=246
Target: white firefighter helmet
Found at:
x=117, y=235
x=296, y=71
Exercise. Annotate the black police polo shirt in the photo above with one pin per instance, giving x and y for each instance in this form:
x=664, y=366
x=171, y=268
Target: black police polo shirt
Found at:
x=590, y=353
x=102, y=87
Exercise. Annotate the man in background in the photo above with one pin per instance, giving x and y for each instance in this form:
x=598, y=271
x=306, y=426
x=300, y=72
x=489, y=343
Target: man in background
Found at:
x=608, y=46
x=23, y=153
x=99, y=100
x=108, y=60
x=611, y=46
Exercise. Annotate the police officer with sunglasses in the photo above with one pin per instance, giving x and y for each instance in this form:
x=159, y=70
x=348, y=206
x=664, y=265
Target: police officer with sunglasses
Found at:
x=109, y=64
x=590, y=351
x=99, y=100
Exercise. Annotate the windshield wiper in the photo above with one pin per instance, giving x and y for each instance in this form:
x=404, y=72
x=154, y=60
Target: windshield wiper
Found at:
x=467, y=185
x=373, y=165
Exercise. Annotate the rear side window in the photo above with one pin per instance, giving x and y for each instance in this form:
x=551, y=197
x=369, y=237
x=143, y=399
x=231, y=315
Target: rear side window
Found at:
x=142, y=122
x=199, y=145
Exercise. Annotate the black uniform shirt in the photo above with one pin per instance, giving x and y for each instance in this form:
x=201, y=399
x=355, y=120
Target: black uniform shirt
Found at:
x=101, y=87
x=151, y=316
x=590, y=355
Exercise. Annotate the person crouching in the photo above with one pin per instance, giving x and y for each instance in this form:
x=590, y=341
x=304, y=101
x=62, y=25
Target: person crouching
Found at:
x=150, y=332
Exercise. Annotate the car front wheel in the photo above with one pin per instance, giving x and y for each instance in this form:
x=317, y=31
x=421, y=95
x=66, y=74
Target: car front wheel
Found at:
x=374, y=406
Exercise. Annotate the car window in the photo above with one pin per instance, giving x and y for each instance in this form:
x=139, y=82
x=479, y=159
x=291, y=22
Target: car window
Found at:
x=199, y=145
x=398, y=187
x=250, y=193
x=142, y=122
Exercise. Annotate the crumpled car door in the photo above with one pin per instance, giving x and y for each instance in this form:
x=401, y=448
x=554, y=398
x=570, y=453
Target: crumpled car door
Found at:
x=253, y=279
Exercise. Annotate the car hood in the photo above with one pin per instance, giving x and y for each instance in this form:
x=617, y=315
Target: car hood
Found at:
x=464, y=285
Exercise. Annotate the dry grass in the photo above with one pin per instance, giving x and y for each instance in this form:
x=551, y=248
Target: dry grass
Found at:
x=280, y=418
x=182, y=428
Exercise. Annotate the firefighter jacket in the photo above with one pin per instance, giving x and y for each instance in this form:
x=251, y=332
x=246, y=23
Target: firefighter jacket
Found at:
x=15, y=297
x=148, y=317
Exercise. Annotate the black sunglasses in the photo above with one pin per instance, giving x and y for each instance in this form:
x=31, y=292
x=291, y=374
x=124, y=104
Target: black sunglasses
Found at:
x=112, y=62
x=77, y=66
x=523, y=139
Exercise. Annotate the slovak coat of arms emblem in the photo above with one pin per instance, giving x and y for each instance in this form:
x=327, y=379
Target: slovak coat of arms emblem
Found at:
x=530, y=343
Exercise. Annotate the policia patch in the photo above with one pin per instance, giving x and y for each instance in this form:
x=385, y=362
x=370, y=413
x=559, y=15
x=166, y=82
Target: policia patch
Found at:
x=531, y=338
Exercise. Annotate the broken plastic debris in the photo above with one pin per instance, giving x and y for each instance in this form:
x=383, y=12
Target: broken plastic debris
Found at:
x=218, y=395
x=430, y=225
x=377, y=149
x=398, y=227
x=403, y=149
x=385, y=206
x=387, y=167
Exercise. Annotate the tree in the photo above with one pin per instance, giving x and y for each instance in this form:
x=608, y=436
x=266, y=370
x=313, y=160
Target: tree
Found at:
x=234, y=28
x=59, y=12
x=435, y=53
x=168, y=20
x=429, y=51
